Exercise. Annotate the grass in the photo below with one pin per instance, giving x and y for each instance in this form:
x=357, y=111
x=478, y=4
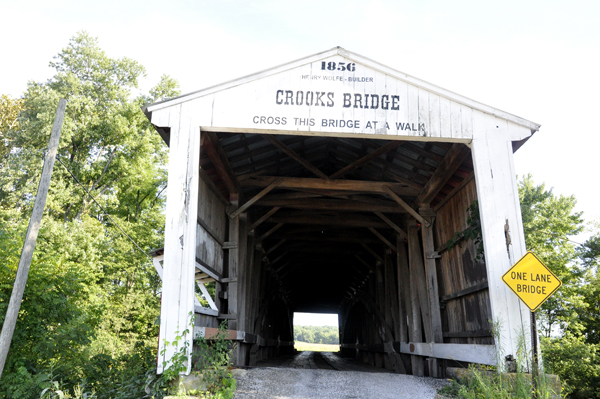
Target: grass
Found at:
x=305, y=346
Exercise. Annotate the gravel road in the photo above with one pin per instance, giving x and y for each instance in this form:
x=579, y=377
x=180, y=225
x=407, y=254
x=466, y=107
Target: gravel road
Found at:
x=289, y=383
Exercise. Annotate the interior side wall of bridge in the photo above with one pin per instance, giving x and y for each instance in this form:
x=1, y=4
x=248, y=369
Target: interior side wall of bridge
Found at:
x=396, y=304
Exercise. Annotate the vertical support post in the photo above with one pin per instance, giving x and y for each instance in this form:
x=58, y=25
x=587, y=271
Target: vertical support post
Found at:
x=418, y=300
x=232, y=289
x=498, y=205
x=405, y=309
x=181, y=216
x=14, y=304
x=432, y=282
x=404, y=299
x=392, y=315
x=417, y=276
x=391, y=295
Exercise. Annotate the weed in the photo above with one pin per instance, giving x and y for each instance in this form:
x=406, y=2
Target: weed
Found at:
x=213, y=363
x=484, y=383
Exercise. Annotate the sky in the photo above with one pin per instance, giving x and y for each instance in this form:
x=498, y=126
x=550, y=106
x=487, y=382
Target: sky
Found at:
x=538, y=59
x=315, y=319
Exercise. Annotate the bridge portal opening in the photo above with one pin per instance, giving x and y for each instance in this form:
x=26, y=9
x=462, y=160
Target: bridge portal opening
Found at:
x=316, y=332
x=335, y=184
x=369, y=230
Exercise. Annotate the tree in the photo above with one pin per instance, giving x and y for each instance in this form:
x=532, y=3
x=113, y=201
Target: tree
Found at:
x=9, y=120
x=92, y=299
x=548, y=222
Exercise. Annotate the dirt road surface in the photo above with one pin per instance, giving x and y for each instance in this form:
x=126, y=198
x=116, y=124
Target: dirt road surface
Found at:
x=307, y=376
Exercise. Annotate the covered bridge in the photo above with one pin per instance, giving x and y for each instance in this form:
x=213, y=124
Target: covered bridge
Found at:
x=336, y=184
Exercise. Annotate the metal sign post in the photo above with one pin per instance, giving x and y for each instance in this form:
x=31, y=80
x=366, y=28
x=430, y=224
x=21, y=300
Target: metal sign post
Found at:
x=533, y=283
x=535, y=371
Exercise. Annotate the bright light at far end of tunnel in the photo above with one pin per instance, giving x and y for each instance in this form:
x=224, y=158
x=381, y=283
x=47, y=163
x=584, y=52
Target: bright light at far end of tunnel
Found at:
x=315, y=319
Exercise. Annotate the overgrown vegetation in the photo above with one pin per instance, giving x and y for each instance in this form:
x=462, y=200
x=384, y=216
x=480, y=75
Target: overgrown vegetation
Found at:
x=498, y=382
x=88, y=323
x=317, y=334
x=569, y=321
x=90, y=309
x=213, y=363
x=472, y=232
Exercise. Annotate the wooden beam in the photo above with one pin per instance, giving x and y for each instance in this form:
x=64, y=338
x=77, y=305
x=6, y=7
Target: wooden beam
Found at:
x=431, y=273
x=474, y=353
x=382, y=238
x=219, y=160
x=335, y=185
x=468, y=334
x=291, y=153
x=327, y=238
x=404, y=205
x=392, y=224
x=255, y=198
x=375, y=254
x=316, y=249
x=420, y=298
x=210, y=231
x=16, y=296
x=263, y=218
x=375, y=154
x=353, y=220
x=453, y=159
x=268, y=233
x=277, y=260
x=206, y=268
x=364, y=262
x=466, y=291
x=454, y=191
x=274, y=247
x=332, y=204
x=211, y=185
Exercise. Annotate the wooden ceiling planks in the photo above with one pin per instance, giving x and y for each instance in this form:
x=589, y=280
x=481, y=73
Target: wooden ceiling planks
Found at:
x=332, y=223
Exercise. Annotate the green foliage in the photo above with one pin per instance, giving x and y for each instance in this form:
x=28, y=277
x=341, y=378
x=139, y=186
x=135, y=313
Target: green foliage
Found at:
x=576, y=362
x=212, y=362
x=317, y=334
x=495, y=383
x=92, y=299
x=472, y=232
x=23, y=384
x=548, y=222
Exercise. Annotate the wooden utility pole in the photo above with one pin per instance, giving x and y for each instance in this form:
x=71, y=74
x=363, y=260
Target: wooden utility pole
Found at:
x=32, y=232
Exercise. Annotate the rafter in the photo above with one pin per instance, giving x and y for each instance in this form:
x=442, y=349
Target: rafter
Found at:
x=404, y=205
x=336, y=185
x=213, y=149
x=291, y=153
x=271, y=231
x=372, y=252
x=331, y=204
x=274, y=247
x=392, y=224
x=383, y=239
x=263, y=218
x=347, y=220
x=258, y=196
x=455, y=156
x=375, y=154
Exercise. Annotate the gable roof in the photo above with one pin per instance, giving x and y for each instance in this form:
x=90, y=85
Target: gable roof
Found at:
x=354, y=58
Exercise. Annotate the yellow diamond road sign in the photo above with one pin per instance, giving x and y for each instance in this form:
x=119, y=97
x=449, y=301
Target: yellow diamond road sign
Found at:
x=531, y=280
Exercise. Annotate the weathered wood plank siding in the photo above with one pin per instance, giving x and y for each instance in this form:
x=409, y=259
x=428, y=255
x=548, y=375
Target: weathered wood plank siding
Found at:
x=211, y=213
x=458, y=271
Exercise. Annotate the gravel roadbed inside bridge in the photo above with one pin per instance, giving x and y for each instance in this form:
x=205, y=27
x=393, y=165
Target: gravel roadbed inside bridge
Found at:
x=286, y=383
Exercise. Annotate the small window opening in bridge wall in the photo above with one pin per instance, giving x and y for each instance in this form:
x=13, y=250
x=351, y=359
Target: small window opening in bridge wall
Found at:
x=316, y=332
